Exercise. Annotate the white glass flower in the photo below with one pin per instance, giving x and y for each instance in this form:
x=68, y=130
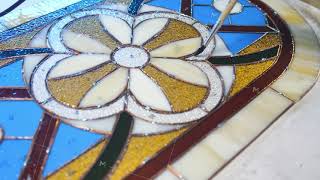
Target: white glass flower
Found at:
x=107, y=62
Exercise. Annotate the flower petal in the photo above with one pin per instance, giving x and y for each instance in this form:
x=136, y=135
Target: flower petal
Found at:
x=84, y=43
x=174, y=31
x=77, y=64
x=147, y=92
x=92, y=27
x=182, y=96
x=107, y=89
x=148, y=29
x=178, y=49
x=118, y=28
x=181, y=70
x=71, y=90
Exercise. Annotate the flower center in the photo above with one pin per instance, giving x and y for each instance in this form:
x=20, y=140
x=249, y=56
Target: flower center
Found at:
x=130, y=56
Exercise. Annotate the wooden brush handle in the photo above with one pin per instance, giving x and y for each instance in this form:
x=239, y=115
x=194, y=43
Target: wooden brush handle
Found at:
x=228, y=9
x=222, y=17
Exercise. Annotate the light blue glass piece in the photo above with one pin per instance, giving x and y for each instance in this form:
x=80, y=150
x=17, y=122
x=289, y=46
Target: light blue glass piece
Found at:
x=208, y=2
x=11, y=75
x=245, y=3
x=238, y=41
x=12, y=157
x=207, y=15
x=20, y=118
x=168, y=4
x=70, y=142
x=250, y=16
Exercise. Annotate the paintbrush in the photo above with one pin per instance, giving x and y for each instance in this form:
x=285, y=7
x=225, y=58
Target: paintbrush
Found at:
x=218, y=25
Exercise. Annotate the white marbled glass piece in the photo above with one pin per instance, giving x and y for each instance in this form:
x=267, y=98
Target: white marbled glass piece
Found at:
x=107, y=89
x=29, y=64
x=178, y=48
x=31, y=61
x=84, y=43
x=210, y=154
x=147, y=92
x=106, y=125
x=103, y=126
x=40, y=39
x=182, y=70
x=166, y=175
x=144, y=127
x=228, y=77
x=77, y=64
x=204, y=31
x=163, y=14
x=117, y=27
x=148, y=8
x=220, y=48
x=148, y=29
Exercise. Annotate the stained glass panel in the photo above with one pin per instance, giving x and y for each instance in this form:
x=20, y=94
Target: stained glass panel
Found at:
x=97, y=89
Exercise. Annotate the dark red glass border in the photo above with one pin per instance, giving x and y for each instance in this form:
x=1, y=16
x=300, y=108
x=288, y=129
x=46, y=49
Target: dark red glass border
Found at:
x=39, y=151
x=236, y=103
x=14, y=93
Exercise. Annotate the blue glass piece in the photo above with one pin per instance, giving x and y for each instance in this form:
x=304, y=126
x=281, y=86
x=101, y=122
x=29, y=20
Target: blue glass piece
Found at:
x=207, y=15
x=19, y=118
x=69, y=143
x=250, y=16
x=46, y=19
x=237, y=41
x=168, y=4
x=12, y=157
x=11, y=75
x=210, y=2
x=207, y=2
x=22, y=52
x=134, y=7
x=245, y=3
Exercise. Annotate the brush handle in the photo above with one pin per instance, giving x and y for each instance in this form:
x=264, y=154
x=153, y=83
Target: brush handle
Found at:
x=220, y=21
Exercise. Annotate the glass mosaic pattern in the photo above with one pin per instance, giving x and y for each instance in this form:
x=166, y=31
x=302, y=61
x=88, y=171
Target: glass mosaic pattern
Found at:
x=97, y=89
